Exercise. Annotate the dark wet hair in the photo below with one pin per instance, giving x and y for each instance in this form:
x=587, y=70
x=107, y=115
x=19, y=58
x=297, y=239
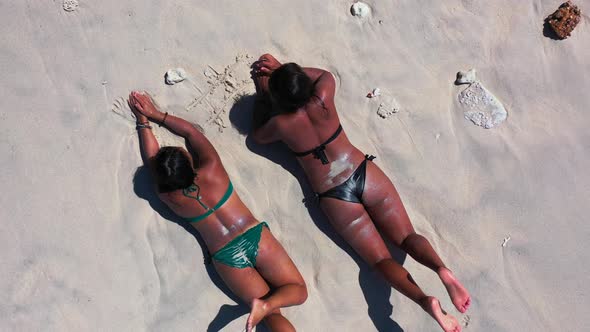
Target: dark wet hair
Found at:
x=290, y=87
x=173, y=169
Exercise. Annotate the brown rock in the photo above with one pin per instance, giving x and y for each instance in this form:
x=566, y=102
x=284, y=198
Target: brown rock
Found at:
x=565, y=19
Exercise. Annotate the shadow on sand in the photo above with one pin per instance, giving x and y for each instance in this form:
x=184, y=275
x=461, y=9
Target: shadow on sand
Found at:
x=376, y=291
x=548, y=31
x=143, y=187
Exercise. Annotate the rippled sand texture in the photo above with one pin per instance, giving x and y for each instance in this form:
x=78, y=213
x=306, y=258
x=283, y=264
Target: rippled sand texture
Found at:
x=87, y=247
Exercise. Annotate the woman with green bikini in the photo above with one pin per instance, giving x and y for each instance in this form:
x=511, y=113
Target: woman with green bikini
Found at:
x=196, y=187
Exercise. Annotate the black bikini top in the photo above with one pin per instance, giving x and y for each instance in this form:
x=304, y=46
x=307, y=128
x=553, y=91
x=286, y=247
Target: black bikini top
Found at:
x=318, y=152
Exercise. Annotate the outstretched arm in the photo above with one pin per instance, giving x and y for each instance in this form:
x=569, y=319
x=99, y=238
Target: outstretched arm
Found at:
x=148, y=144
x=263, y=130
x=263, y=125
x=198, y=142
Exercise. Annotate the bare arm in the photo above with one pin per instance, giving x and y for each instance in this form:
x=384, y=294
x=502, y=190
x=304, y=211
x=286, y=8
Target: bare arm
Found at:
x=323, y=81
x=198, y=142
x=195, y=138
x=148, y=144
x=264, y=125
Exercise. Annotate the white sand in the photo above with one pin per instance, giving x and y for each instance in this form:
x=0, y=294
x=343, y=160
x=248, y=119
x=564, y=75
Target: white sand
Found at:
x=82, y=252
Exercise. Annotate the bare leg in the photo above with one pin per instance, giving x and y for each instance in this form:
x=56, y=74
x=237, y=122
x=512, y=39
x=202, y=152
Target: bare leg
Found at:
x=275, y=266
x=355, y=225
x=387, y=210
x=252, y=288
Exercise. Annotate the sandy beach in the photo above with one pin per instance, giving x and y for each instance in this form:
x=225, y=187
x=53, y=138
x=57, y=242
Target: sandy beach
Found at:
x=87, y=246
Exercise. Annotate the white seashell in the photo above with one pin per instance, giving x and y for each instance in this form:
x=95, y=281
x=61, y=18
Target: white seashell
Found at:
x=174, y=76
x=360, y=9
x=466, y=77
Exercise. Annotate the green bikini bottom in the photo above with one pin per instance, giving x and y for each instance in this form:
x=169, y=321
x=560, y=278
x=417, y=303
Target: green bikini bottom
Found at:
x=241, y=252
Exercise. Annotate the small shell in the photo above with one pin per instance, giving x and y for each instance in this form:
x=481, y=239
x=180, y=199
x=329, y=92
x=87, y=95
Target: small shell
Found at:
x=360, y=9
x=375, y=93
x=174, y=76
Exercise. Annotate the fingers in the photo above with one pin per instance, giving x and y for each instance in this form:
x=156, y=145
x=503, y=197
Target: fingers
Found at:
x=259, y=65
x=134, y=103
x=263, y=71
x=139, y=99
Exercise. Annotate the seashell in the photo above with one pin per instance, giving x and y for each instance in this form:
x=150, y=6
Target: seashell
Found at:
x=360, y=9
x=174, y=76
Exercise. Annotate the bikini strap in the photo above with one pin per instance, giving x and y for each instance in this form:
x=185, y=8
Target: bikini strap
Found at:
x=369, y=157
x=319, y=152
x=194, y=188
x=209, y=211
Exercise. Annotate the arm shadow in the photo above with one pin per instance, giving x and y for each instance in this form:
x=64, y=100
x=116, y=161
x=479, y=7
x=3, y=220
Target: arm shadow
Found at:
x=375, y=289
x=143, y=187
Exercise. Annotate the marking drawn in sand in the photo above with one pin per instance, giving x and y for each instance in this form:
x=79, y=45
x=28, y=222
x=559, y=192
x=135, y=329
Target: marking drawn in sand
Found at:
x=388, y=108
x=466, y=320
x=505, y=241
x=225, y=87
x=480, y=106
x=70, y=5
x=121, y=108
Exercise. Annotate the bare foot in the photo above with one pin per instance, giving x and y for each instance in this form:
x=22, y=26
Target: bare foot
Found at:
x=259, y=310
x=457, y=292
x=446, y=321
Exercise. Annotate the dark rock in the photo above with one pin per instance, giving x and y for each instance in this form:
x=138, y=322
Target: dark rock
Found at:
x=564, y=20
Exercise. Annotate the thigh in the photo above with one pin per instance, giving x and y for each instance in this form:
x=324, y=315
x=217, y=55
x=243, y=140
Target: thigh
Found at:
x=246, y=283
x=385, y=206
x=354, y=224
x=274, y=264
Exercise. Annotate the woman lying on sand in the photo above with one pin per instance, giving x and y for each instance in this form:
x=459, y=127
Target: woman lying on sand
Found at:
x=296, y=106
x=196, y=187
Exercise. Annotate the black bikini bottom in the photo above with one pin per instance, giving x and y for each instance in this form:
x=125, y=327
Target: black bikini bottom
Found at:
x=352, y=189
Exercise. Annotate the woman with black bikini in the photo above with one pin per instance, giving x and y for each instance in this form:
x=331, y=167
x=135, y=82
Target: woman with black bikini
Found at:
x=296, y=105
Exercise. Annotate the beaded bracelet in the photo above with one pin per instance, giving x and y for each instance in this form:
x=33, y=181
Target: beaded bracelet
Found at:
x=164, y=119
x=143, y=125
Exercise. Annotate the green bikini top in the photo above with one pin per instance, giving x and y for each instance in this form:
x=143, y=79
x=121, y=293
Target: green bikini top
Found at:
x=195, y=189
